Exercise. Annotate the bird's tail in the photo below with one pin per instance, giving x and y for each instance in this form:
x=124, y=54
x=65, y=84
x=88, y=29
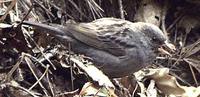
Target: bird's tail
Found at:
x=58, y=31
x=52, y=29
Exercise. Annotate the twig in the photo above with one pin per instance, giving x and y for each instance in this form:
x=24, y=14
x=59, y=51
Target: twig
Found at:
x=175, y=21
x=40, y=50
x=50, y=85
x=78, y=9
x=25, y=15
x=121, y=9
x=68, y=93
x=8, y=9
x=193, y=75
x=164, y=11
x=16, y=85
x=29, y=63
x=8, y=78
x=71, y=67
x=134, y=91
x=39, y=78
x=49, y=14
x=95, y=8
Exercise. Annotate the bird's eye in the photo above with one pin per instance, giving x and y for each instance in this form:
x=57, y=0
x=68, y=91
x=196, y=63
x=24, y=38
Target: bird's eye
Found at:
x=154, y=38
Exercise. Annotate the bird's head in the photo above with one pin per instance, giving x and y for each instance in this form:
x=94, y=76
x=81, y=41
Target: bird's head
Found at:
x=157, y=37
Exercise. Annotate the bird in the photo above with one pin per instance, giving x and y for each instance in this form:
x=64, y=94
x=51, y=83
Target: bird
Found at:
x=118, y=47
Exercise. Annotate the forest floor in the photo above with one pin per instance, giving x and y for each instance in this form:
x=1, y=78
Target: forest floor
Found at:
x=35, y=64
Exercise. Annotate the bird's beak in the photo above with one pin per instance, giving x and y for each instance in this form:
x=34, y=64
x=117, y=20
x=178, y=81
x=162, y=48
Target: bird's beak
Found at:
x=168, y=48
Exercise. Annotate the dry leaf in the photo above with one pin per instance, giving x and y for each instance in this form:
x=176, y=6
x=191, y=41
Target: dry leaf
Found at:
x=94, y=73
x=168, y=84
x=95, y=91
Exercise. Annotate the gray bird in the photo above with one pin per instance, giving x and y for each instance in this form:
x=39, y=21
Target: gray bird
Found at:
x=118, y=47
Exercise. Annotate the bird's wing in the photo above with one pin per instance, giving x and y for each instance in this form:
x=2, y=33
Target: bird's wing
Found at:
x=114, y=38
